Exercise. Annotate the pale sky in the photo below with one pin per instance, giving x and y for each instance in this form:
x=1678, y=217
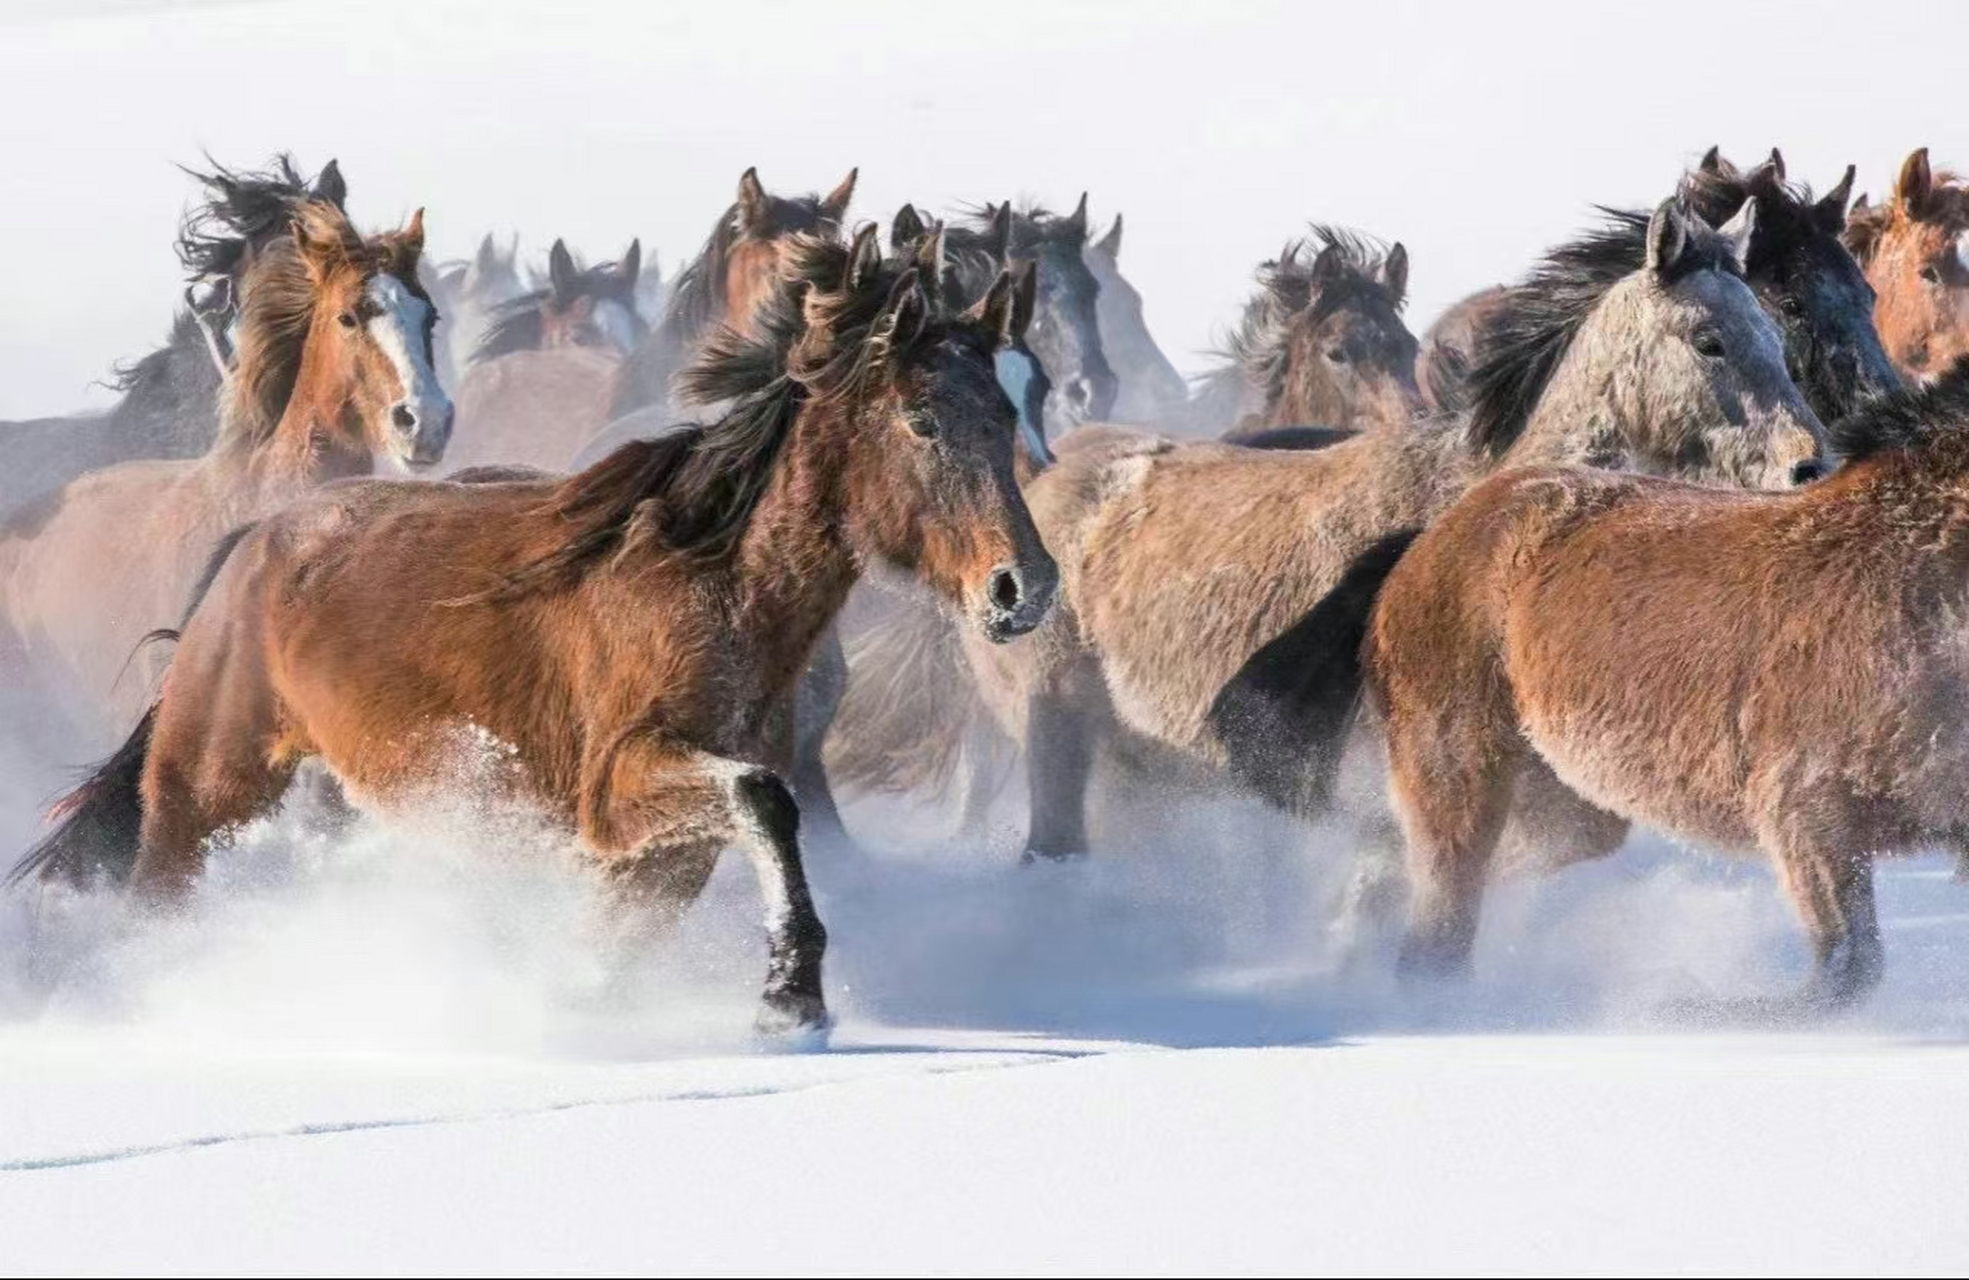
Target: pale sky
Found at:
x=1477, y=134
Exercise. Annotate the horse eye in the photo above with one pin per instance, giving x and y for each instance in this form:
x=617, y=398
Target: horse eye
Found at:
x=1791, y=306
x=347, y=319
x=922, y=424
x=1337, y=354
x=1932, y=274
x=1709, y=345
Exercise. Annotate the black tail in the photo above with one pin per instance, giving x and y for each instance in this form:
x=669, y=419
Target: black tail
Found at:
x=99, y=824
x=1285, y=715
x=221, y=552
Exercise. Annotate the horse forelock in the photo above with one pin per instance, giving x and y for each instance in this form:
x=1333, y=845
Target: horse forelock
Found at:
x=243, y=210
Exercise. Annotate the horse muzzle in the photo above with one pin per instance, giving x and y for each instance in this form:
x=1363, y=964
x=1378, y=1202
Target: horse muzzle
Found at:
x=420, y=429
x=1018, y=596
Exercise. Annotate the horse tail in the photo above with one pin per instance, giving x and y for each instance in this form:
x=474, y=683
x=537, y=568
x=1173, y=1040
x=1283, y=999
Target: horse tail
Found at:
x=909, y=706
x=99, y=825
x=221, y=553
x=1284, y=716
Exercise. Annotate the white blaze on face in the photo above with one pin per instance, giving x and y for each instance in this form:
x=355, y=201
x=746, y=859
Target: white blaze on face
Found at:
x=398, y=330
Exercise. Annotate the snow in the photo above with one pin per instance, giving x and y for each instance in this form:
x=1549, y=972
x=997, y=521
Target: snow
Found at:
x=423, y=1049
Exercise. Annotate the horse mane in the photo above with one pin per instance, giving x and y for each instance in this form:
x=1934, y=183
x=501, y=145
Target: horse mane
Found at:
x=276, y=312
x=1908, y=420
x=697, y=297
x=1947, y=207
x=518, y=324
x=1527, y=338
x=971, y=247
x=1786, y=221
x=154, y=371
x=694, y=489
x=244, y=209
x=1259, y=350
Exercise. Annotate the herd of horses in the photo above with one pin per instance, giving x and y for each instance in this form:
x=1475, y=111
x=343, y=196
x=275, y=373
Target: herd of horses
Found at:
x=1672, y=530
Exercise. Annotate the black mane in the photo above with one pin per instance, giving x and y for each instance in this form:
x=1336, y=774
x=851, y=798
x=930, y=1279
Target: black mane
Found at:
x=697, y=300
x=1908, y=420
x=1528, y=336
x=244, y=209
x=1786, y=222
x=518, y=325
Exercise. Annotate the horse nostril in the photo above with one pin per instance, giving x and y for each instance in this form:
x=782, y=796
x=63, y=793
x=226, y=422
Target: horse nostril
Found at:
x=1003, y=590
x=403, y=417
x=1807, y=471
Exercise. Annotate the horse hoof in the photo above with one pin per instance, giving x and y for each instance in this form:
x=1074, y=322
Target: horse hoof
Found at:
x=1049, y=857
x=793, y=1021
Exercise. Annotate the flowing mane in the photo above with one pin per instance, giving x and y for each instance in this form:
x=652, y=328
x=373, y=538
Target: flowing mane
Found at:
x=1258, y=352
x=694, y=489
x=1787, y=221
x=1528, y=336
x=697, y=297
x=245, y=209
x=1909, y=420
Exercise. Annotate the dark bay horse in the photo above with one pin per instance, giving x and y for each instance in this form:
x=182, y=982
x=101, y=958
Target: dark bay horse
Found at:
x=544, y=370
x=1667, y=654
x=629, y=632
x=1915, y=248
x=723, y=285
x=333, y=370
x=168, y=405
x=1321, y=342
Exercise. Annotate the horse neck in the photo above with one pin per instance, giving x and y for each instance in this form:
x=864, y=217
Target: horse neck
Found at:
x=1593, y=398
x=795, y=560
x=319, y=437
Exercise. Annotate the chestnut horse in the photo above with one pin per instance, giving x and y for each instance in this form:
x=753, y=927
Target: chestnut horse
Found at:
x=544, y=369
x=169, y=399
x=1321, y=342
x=1915, y=248
x=1512, y=638
x=1215, y=595
x=334, y=368
x=629, y=632
x=722, y=286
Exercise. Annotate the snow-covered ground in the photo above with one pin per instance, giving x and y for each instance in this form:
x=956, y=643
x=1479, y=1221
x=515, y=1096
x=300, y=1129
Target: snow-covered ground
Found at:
x=425, y=1050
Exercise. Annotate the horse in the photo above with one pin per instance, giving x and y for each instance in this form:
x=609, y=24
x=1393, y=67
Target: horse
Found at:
x=1152, y=393
x=168, y=401
x=1449, y=348
x=1915, y=248
x=1509, y=639
x=722, y=286
x=1214, y=595
x=628, y=632
x=468, y=293
x=1321, y=342
x=544, y=370
x=333, y=369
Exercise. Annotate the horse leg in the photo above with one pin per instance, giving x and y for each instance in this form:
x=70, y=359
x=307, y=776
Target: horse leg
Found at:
x=1553, y=827
x=1452, y=791
x=207, y=773
x=662, y=802
x=815, y=703
x=1060, y=744
x=1831, y=887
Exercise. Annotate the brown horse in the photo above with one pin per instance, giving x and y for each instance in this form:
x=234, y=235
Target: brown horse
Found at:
x=544, y=370
x=1915, y=248
x=1214, y=595
x=630, y=632
x=333, y=369
x=1666, y=653
x=1449, y=348
x=723, y=286
x=1321, y=342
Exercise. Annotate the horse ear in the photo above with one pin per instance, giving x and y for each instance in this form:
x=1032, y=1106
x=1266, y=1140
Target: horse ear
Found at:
x=906, y=230
x=1668, y=236
x=929, y=260
x=998, y=232
x=1110, y=243
x=1737, y=232
x=1025, y=295
x=322, y=236
x=1861, y=205
x=1915, y=185
x=1394, y=272
x=329, y=185
x=632, y=263
x=835, y=203
x=751, y=201
x=998, y=310
x=1712, y=160
x=904, y=314
x=1329, y=267
x=487, y=258
x=411, y=238
x=561, y=275
x=1777, y=163
x=1077, y=220
x=1830, y=211
x=864, y=257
